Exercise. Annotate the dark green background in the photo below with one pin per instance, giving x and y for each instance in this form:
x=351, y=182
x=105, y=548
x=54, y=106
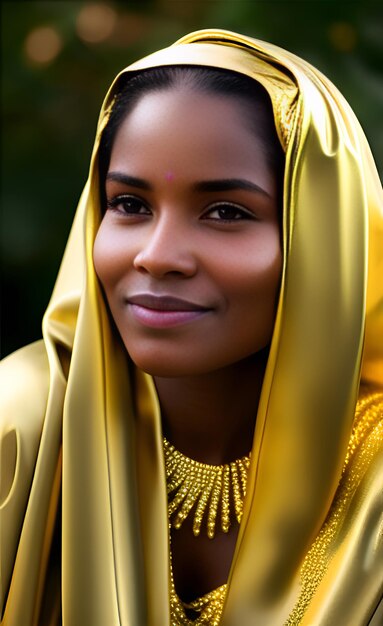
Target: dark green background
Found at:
x=50, y=112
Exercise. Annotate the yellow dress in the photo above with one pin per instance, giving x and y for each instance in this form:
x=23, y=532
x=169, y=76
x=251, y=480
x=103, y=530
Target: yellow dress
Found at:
x=84, y=528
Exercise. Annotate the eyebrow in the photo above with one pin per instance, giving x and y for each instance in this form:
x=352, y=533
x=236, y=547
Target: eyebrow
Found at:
x=230, y=184
x=132, y=181
x=225, y=184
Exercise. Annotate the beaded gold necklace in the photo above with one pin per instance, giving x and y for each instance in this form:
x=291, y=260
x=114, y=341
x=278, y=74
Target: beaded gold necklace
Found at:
x=206, y=486
x=209, y=487
x=208, y=608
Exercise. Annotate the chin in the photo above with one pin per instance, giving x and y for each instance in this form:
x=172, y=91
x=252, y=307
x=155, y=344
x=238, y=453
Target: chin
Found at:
x=163, y=364
x=156, y=363
x=160, y=369
x=177, y=366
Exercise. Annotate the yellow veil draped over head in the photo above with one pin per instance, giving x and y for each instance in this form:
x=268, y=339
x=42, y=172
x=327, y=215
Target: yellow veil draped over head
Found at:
x=83, y=470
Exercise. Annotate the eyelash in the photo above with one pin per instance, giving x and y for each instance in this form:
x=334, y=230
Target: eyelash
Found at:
x=137, y=203
x=123, y=200
x=219, y=206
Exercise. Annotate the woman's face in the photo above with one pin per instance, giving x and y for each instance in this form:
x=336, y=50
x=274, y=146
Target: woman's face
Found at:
x=188, y=252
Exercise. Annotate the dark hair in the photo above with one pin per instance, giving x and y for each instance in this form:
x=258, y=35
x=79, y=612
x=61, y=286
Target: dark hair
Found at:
x=207, y=80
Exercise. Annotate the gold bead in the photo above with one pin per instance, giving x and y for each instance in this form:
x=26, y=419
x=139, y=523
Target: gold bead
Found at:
x=199, y=486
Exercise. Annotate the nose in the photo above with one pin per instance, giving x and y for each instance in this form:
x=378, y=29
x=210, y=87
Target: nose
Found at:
x=166, y=248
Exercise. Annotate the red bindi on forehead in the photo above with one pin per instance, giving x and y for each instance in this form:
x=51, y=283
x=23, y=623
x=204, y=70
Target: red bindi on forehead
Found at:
x=169, y=176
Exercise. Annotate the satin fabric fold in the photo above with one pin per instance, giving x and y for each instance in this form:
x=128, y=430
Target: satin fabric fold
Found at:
x=86, y=414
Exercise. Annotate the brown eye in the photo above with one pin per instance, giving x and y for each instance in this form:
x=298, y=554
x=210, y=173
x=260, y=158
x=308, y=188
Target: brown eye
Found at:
x=130, y=205
x=227, y=212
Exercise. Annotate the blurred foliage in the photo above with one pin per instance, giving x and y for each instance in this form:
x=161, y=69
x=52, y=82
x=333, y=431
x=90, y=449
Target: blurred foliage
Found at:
x=50, y=108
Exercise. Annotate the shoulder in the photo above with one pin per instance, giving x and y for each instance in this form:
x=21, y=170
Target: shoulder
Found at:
x=357, y=514
x=341, y=573
x=30, y=362
x=366, y=436
x=24, y=387
x=363, y=462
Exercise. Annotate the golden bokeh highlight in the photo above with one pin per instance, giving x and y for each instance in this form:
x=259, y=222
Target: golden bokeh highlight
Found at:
x=42, y=45
x=95, y=22
x=342, y=36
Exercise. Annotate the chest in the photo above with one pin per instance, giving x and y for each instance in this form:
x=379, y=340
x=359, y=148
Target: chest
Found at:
x=201, y=564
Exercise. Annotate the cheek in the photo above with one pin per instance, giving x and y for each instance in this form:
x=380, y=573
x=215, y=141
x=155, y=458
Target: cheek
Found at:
x=252, y=295
x=108, y=256
x=253, y=277
x=101, y=259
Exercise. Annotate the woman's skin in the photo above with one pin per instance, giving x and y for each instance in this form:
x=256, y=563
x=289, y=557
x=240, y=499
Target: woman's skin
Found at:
x=193, y=214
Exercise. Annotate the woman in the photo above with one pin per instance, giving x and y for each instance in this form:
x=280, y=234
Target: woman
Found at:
x=198, y=301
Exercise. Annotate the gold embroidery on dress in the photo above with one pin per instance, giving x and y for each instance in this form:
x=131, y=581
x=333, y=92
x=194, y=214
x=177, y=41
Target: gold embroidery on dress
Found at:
x=286, y=113
x=365, y=441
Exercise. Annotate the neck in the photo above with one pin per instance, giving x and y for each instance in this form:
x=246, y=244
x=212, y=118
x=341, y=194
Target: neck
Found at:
x=211, y=417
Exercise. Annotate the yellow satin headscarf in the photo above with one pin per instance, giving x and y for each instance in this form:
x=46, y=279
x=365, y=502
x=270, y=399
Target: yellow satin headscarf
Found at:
x=82, y=446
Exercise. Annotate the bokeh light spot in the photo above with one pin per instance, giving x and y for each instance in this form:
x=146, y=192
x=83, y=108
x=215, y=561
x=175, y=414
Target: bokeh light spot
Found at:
x=342, y=36
x=95, y=22
x=42, y=45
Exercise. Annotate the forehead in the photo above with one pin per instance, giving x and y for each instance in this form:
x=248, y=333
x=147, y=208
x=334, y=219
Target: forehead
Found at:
x=187, y=131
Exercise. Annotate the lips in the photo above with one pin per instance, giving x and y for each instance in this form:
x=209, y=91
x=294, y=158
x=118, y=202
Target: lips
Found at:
x=164, y=303
x=164, y=311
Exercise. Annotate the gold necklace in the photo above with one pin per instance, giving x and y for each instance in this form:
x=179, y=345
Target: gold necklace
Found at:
x=213, y=486
x=208, y=609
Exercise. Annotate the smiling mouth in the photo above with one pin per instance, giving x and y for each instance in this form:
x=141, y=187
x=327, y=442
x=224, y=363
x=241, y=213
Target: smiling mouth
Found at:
x=164, y=303
x=164, y=311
